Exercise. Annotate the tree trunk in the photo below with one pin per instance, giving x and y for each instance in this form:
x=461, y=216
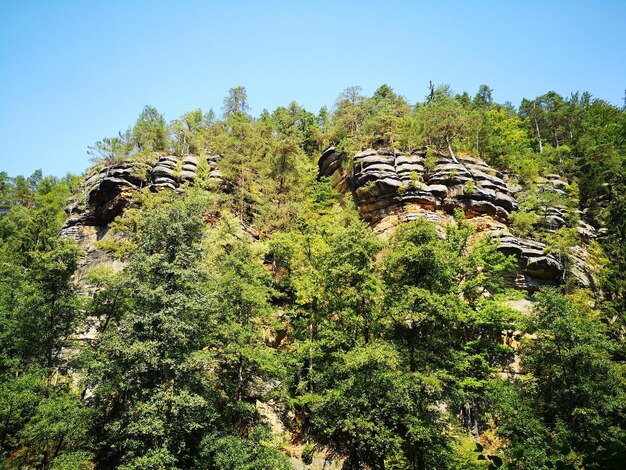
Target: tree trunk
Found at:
x=241, y=184
x=240, y=378
x=556, y=138
x=412, y=339
x=450, y=150
x=311, y=354
x=474, y=418
x=421, y=462
x=477, y=143
x=537, y=128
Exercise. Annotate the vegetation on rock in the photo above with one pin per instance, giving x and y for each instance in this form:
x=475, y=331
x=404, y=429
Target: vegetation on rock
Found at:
x=246, y=306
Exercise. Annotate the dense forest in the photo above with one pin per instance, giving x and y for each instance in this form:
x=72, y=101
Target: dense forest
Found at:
x=251, y=319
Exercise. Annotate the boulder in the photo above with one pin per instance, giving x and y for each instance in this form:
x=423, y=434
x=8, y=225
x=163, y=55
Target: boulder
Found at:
x=187, y=175
x=190, y=160
x=161, y=171
x=544, y=267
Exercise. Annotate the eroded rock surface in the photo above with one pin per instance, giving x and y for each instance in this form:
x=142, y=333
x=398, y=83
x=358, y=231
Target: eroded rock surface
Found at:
x=386, y=182
x=105, y=194
x=391, y=187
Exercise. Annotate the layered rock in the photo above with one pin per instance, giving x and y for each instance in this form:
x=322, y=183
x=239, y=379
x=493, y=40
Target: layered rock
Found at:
x=105, y=194
x=391, y=187
x=537, y=268
x=386, y=182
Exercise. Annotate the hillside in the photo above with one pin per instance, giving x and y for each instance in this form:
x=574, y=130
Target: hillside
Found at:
x=382, y=285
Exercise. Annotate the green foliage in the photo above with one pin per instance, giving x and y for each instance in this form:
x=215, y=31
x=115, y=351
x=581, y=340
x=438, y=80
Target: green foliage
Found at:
x=307, y=453
x=523, y=222
x=149, y=132
x=236, y=102
x=446, y=121
x=58, y=430
x=269, y=290
x=37, y=304
x=190, y=132
x=493, y=461
x=110, y=150
x=392, y=413
x=185, y=342
x=585, y=409
x=415, y=177
x=556, y=416
x=233, y=452
x=386, y=341
x=43, y=422
x=430, y=161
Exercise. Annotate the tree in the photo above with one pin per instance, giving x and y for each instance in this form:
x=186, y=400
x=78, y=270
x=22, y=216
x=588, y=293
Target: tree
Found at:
x=585, y=411
x=190, y=131
x=394, y=419
x=241, y=144
x=111, y=150
x=146, y=369
x=174, y=369
x=58, y=432
x=348, y=118
x=236, y=102
x=386, y=111
x=483, y=98
x=150, y=132
x=533, y=113
x=507, y=138
x=42, y=420
x=336, y=289
x=444, y=121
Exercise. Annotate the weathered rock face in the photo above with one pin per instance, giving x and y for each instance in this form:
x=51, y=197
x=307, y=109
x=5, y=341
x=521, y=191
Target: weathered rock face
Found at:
x=386, y=182
x=107, y=193
x=390, y=187
x=537, y=268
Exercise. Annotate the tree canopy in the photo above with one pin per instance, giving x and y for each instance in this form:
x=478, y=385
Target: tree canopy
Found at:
x=260, y=319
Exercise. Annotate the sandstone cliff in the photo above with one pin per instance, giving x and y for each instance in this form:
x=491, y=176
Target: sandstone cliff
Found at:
x=106, y=193
x=390, y=187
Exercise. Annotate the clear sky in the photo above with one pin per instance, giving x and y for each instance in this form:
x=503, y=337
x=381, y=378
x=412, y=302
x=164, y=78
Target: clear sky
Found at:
x=72, y=72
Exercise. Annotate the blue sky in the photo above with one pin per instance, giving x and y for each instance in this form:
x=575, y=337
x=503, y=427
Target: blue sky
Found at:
x=73, y=72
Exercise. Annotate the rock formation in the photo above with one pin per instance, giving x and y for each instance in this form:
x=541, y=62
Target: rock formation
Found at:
x=106, y=193
x=385, y=182
x=391, y=187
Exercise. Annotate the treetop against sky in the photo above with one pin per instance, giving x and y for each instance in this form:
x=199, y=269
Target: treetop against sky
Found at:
x=74, y=72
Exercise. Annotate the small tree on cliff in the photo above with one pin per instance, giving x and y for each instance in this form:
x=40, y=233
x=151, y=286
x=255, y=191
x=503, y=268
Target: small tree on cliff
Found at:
x=150, y=131
x=445, y=121
x=111, y=150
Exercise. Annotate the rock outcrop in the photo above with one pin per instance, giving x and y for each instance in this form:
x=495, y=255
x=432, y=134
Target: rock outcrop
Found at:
x=391, y=187
x=106, y=193
x=386, y=182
